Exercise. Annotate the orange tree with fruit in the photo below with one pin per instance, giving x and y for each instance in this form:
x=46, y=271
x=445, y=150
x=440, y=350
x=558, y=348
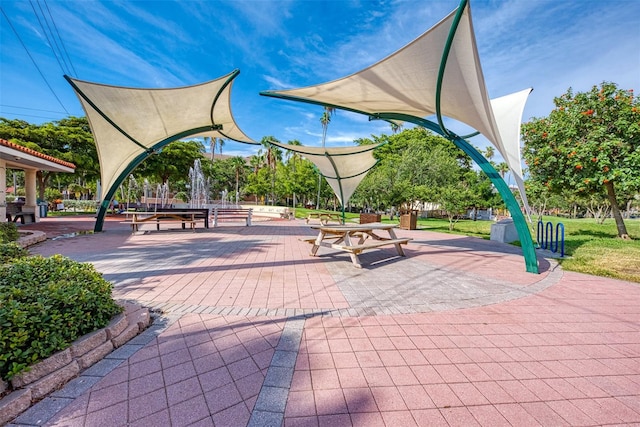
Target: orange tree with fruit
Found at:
x=589, y=144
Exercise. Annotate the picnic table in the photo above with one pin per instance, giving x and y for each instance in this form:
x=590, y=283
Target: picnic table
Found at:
x=355, y=239
x=183, y=217
x=324, y=217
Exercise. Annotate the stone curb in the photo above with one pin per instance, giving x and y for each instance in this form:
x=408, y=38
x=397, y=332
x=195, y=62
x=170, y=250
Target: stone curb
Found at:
x=54, y=372
x=31, y=238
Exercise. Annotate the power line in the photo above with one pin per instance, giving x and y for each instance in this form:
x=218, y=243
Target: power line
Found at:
x=33, y=60
x=60, y=38
x=33, y=115
x=32, y=109
x=46, y=34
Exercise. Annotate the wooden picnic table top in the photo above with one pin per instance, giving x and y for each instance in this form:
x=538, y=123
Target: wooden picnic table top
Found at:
x=354, y=227
x=340, y=237
x=164, y=213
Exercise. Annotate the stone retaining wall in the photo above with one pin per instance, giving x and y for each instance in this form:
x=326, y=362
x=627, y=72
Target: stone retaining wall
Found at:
x=31, y=238
x=52, y=373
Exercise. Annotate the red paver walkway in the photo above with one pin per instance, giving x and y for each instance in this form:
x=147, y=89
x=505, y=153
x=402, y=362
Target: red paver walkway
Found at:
x=256, y=332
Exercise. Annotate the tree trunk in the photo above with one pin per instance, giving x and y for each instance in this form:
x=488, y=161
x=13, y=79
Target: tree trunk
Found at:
x=615, y=210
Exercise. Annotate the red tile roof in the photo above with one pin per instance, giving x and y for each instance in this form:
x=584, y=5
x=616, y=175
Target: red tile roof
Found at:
x=35, y=153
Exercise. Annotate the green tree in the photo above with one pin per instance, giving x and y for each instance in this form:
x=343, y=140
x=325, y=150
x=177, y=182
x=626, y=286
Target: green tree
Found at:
x=590, y=141
x=272, y=156
x=292, y=158
x=239, y=166
x=172, y=163
x=412, y=164
x=69, y=139
x=259, y=183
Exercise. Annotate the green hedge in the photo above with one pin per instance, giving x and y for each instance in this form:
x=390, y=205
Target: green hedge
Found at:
x=10, y=252
x=80, y=205
x=45, y=305
x=8, y=232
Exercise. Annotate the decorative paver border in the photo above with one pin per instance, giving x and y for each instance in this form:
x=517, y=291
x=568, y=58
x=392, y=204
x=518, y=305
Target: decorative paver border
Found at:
x=57, y=381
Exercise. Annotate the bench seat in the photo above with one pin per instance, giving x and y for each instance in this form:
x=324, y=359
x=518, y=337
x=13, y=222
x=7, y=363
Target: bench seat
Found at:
x=232, y=213
x=135, y=224
x=199, y=213
x=357, y=249
x=15, y=213
x=324, y=217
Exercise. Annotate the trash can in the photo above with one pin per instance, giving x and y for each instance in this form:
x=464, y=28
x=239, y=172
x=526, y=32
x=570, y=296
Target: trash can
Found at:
x=409, y=220
x=44, y=209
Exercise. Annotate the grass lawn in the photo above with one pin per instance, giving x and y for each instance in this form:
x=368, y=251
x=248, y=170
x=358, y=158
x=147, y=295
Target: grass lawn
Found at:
x=590, y=247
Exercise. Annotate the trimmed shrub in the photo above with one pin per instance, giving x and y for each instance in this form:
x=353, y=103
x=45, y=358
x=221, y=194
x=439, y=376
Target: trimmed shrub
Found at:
x=8, y=232
x=11, y=251
x=45, y=305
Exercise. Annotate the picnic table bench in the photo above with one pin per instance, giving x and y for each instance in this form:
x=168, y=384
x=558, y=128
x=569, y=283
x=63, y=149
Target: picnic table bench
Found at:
x=287, y=214
x=355, y=239
x=182, y=217
x=198, y=213
x=324, y=217
x=233, y=214
x=14, y=212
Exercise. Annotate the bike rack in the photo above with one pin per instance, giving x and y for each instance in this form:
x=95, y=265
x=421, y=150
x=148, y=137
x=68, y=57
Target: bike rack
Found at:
x=546, y=238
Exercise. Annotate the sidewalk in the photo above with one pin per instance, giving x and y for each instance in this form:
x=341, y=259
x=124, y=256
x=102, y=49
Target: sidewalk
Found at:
x=256, y=332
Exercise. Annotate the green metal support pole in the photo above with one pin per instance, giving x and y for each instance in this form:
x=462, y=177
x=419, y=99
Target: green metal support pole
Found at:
x=524, y=234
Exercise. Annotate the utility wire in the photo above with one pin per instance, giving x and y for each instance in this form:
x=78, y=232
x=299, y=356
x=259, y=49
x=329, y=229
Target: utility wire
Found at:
x=55, y=41
x=46, y=34
x=32, y=109
x=33, y=60
x=39, y=117
x=64, y=48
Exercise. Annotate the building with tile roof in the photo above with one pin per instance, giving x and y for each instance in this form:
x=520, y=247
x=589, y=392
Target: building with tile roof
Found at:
x=15, y=156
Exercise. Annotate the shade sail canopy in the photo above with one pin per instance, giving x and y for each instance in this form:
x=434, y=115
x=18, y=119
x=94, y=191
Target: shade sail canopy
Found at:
x=406, y=82
x=342, y=167
x=130, y=122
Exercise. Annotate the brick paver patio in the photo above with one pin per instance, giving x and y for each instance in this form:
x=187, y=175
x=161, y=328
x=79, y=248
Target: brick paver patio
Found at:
x=256, y=332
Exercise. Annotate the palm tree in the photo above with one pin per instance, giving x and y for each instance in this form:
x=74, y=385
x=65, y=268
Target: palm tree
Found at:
x=325, y=120
x=256, y=162
x=395, y=127
x=272, y=156
x=212, y=146
x=503, y=168
x=211, y=143
x=489, y=152
x=220, y=145
x=293, y=157
x=239, y=165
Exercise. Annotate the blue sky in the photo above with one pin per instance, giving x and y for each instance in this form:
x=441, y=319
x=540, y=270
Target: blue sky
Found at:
x=548, y=45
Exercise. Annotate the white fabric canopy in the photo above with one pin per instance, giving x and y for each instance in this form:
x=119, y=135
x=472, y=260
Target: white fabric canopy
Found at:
x=342, y=167
x=127, y=122
x=406, y=83
x=508, y=113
